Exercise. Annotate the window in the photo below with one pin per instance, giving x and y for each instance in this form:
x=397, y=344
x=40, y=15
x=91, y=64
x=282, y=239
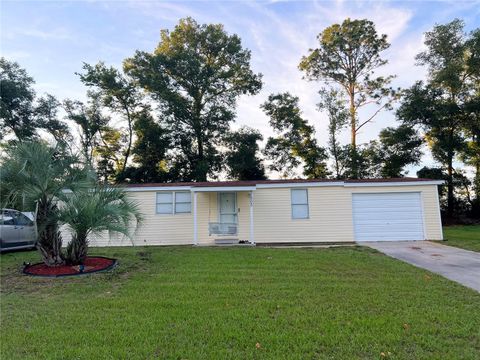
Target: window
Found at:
x=23, y=220
x=173, y=202
x=299, y=203
x=7, y=218
x=14, y=218
x=165, y=203
x=183, y=202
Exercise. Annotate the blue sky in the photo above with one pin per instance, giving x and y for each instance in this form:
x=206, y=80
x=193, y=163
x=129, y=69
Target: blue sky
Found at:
x=52, y=39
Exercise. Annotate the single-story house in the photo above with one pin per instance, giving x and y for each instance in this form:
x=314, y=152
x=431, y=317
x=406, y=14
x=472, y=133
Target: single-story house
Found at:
x=285, y=211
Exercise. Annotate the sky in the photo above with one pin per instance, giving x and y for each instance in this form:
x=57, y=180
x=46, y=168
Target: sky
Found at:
x=52, y=39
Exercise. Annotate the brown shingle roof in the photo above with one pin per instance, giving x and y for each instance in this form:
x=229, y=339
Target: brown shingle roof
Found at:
x=282, y=181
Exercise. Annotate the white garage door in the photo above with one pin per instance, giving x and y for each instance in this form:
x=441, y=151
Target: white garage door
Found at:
x=387, y=216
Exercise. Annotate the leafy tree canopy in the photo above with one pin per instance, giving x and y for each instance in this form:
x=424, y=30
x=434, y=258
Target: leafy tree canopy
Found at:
x=347, y=57
x=149, y=151
x=446, y=108
x=21, y=113
x=196, y=73
x=396, y=148
x=119, y=94
x=241, y=156
x=295, y=144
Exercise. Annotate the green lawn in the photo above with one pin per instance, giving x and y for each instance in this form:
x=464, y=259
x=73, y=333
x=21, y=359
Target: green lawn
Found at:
x=238, y=303
x=466, y=237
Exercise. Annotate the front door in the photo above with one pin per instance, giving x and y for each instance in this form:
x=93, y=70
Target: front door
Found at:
x=228, y=207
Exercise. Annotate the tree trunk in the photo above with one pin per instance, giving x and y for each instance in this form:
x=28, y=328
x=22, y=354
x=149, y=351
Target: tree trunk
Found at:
x=336, y=162
x=77, y=249
x=202, y=166
x=353, y=135
x=201, y=170
x=476, y=181
x=450, y=195
x=129, y=145
x=49, y=238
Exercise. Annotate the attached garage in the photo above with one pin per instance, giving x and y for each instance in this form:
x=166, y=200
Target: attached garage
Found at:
x=388, y=216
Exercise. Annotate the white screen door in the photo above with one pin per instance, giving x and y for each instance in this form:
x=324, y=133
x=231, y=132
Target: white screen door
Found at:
x=228, y=207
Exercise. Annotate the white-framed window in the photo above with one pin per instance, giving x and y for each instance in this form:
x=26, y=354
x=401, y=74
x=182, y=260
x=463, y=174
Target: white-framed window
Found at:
x=183, y=202
x=299, y=198
x=173, y=202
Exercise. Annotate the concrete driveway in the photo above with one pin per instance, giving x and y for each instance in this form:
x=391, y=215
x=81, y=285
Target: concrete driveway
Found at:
x=456, y=264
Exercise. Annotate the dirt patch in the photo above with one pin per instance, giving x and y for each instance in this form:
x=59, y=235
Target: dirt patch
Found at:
x=144, y=255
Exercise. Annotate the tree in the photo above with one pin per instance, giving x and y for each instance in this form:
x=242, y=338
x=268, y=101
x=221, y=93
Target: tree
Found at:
x=295, y=144
x=348, y=56
x=90, y=121
x=39, y=174
x=46, y=114
x=91, y=210
x=21, y=113
x=338, y=116
x=149, y=151
x=119, y=94
x=434, y=173
x=241, y=156
x=430, y=109
x=196, y=73
x=445, y=107
x=108, y=154
x=395, y=149
x=470, y=154
x=16, y=100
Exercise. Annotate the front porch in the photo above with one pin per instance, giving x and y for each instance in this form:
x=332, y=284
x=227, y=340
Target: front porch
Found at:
x=223, y=216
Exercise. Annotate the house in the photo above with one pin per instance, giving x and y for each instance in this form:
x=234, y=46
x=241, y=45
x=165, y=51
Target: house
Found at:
x=285, y=211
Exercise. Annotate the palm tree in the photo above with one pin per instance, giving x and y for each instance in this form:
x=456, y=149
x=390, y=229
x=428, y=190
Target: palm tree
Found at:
x=93, y=210
x=35, y=175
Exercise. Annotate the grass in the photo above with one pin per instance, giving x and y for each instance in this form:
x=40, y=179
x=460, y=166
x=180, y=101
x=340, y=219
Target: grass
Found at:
x=466, y=237
x=238, y=303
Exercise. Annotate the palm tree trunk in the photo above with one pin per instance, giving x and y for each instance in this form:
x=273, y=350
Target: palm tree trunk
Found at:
x=77, y=249
x=49, y=238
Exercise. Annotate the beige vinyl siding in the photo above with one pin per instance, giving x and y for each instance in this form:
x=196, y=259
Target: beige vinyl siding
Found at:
x=156, y=229
x=161, y=229
x=330, y=213
x=329, y=216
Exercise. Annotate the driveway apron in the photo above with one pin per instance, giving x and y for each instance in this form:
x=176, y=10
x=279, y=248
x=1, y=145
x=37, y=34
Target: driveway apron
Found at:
x=462, y=266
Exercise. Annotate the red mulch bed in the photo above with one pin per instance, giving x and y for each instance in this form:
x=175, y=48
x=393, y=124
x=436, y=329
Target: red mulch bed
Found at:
x=91, y=265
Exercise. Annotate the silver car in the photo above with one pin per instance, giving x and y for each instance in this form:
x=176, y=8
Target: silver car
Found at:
x=17, y=230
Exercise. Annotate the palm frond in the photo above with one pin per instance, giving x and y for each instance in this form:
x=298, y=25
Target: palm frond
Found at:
x=98, y=209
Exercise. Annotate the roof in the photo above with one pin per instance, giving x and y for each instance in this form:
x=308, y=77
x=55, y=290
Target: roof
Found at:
x=276, y=183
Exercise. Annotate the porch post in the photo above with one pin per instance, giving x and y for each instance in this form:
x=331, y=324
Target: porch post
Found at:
x=195, y=227
x=252, y=239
